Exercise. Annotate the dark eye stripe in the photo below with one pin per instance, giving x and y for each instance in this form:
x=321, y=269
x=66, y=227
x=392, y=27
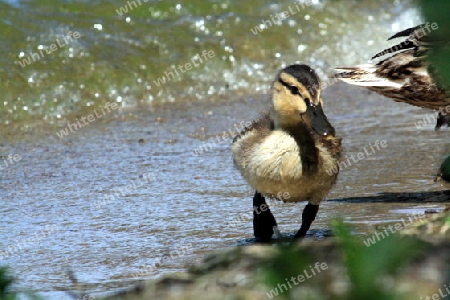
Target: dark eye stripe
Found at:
x=293, y=89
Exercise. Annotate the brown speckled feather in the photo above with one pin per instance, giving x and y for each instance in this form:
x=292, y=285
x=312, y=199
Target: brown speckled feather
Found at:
x=405, y=76
x=263, y=125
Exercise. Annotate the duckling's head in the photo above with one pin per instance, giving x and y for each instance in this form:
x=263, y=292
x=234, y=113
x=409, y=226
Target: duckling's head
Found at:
x=296, y=100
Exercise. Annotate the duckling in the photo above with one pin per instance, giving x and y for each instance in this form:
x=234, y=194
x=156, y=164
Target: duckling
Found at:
x=291, y=153
x=405, y=76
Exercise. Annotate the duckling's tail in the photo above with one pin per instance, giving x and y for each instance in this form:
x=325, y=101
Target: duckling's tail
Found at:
x=364, y=75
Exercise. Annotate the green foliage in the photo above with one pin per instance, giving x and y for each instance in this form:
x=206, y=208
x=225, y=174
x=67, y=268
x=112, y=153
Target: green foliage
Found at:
x=445, y=169
x=436, y=11
x=5, y=288
x=5, y=284
x=367, y=267
x=289, y=262
x=371, y=270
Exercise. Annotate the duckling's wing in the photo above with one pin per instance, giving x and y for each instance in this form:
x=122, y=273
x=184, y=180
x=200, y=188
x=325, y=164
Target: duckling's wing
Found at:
x=260, y=127
x=249, y=139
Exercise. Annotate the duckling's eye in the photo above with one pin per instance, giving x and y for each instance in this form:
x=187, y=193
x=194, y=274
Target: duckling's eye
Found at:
x=294, y=90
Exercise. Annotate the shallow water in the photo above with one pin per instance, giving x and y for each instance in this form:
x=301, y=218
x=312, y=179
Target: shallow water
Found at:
x=168, y=206
x=192, y=202
x=125, y=58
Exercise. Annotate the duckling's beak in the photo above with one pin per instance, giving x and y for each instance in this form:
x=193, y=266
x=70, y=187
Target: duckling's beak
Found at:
x=316, y=119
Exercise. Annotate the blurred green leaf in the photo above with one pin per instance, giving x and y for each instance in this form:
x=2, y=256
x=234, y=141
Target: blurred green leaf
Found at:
x=436, y=11
x=5, y=283
x=367, y=266
x=445, y=169
x=289, y=262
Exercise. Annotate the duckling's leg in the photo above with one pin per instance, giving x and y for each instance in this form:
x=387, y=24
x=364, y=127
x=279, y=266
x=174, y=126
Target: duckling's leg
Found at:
x=308, y=216
x=263, y=220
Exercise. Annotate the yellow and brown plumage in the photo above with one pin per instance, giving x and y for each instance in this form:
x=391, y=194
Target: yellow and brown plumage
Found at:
x=289, y=151
x=405, y=76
